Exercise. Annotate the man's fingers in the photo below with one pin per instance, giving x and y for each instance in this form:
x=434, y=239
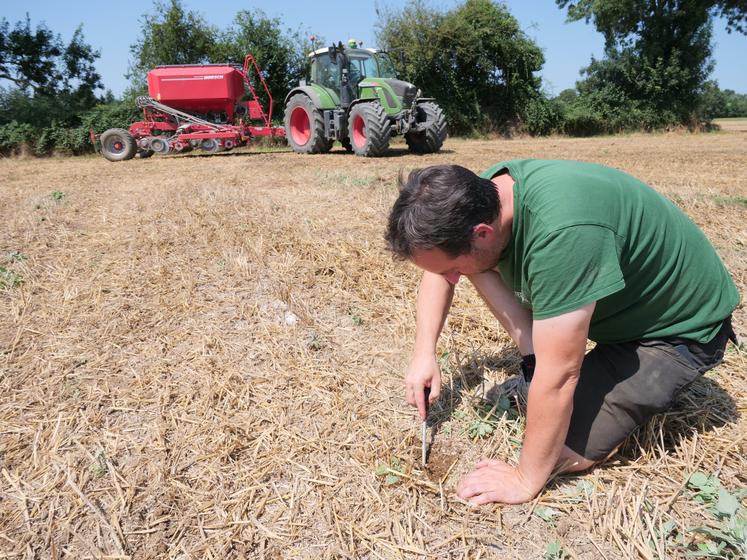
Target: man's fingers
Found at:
x=479, y=481
x=410, y=396
x=420, y=402
x=485, y=498
x=467, y=489
x=435, y=390
x=416, y=397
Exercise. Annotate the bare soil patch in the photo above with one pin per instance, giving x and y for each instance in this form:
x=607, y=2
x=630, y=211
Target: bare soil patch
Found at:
x=202, y=357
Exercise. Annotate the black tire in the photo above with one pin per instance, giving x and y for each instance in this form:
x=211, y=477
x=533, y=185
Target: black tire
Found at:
x=118, y=145
x=369, y=129
x=430, y=140
x=304, y=126
x=210, y=145
x=144, y=154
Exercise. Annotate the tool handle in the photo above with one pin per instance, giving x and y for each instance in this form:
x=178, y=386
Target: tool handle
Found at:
x=427, y=392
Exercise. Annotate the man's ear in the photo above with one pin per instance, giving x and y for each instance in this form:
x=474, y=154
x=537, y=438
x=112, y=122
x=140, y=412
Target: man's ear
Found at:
x=482, y=231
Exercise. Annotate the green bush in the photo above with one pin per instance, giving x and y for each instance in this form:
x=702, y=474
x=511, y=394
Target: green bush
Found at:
x=543, y=116
x=44, y=142
x=59, y=136
x=62, y=139
x=119, y=114
x=608, y=110
x=13, y=135
x=584, y=121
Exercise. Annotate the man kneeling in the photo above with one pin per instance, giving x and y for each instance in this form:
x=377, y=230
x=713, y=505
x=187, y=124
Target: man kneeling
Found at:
x=562, y=252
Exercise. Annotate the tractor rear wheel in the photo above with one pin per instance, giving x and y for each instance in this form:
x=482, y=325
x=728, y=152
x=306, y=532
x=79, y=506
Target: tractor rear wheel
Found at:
x=304, y=126
x=117, y=144
x=431, y=139
x=369, y=129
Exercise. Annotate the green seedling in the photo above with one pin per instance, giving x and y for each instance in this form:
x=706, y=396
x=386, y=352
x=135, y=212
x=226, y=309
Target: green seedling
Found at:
x=729, y=538
x=708, y=550
x=581, y=492
x=554, y=551
x=479, y=429
x=666, y=532
x=9, y=279
x=57, y=196
x=546, y=514
x=16, y=256
x=392, y=472
x=444, y=363
x=489, y=415
x=99, y=468
x=314, y=342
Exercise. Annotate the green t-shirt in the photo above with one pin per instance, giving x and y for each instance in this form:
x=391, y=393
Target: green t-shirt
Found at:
x=584, y=233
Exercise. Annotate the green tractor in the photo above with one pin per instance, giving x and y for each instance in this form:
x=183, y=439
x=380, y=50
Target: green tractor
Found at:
x=354, y=96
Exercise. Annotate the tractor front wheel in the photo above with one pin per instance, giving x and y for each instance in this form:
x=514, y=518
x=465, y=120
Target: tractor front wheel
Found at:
x=304, y=126
x=369, y=129
x=118, y=145
x=429, y=140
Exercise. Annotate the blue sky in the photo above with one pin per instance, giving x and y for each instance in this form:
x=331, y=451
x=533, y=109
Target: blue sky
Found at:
x=111, y=27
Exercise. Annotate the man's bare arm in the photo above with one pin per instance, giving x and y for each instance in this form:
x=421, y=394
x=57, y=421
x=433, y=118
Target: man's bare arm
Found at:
x=560, y=345
x=433, y=303
x=516, y=319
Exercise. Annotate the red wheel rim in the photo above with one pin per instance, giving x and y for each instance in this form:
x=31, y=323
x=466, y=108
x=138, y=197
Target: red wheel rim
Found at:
x=299, y=126
x=359, y=132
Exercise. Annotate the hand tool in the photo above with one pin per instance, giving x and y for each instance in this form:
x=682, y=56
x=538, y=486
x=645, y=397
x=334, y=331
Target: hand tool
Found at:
x=424, y=429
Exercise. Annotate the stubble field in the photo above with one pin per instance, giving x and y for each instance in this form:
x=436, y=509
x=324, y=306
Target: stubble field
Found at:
x=202, y=357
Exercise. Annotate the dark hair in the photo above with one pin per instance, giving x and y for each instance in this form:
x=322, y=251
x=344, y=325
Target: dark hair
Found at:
x=438, y=207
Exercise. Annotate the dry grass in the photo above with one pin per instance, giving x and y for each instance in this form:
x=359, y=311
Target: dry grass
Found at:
x=734, y=124
x=205, y=361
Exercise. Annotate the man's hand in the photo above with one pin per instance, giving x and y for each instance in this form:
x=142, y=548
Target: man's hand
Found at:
x=495, y=481
x=434, y=299
x=423, y=372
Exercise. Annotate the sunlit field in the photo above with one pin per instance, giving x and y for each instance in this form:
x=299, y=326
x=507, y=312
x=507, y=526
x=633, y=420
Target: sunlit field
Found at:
x=202, y=357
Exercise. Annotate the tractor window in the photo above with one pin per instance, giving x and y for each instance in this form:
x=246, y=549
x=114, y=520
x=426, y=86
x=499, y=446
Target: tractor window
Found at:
x=358, y=69
x=386, y=68
x=325, y=72
x=365, y=66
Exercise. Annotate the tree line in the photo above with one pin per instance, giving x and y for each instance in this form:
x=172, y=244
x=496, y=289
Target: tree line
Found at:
x=475, y=59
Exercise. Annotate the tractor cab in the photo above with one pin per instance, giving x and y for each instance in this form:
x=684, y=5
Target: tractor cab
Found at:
x=359, y=63
x=357, y=73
